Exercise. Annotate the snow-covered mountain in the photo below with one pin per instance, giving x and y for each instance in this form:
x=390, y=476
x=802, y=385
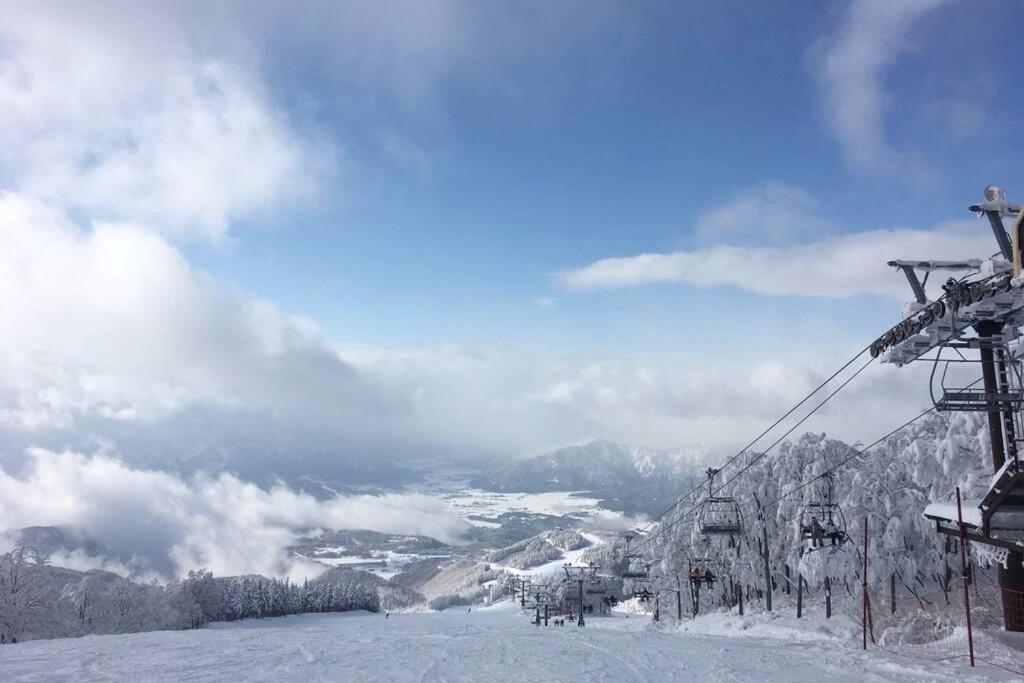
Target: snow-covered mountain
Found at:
x=626, y=479
x=596, y=466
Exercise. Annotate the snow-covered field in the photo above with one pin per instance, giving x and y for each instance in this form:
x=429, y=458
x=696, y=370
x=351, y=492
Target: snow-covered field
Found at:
x=471, y=504
x=494, y=644
x=451, y=485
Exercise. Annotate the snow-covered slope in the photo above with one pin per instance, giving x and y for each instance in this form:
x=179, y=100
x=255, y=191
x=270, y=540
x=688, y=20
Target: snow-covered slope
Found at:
x=456, y=645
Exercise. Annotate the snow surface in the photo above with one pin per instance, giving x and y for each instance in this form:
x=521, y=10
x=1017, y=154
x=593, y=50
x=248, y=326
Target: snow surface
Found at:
x=970, y=508
x=494, y=644
x=554, y=567
x=472, y=504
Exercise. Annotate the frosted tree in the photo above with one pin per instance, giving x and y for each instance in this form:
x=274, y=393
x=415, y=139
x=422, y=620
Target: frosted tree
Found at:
x=22, y=605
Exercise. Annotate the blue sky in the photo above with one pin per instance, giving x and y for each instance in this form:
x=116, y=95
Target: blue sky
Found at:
x=609, y=142
x=477, y=227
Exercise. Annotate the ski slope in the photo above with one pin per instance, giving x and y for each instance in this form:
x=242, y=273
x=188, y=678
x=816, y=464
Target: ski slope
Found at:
x=553, y=569
x=494, y=644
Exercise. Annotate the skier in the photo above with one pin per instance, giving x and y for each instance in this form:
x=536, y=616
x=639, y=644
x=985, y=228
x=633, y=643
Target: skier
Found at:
x=710, y=578
x=816, y=532
x=832, y=532
x=387, y=614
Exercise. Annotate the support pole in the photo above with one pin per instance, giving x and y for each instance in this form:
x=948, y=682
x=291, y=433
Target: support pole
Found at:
x=986, y=329
x=828, y=598
x=789, y=586
x=892, y=593
x=864, y=587
x=767, y=569
x=1012, y=575
x=965, y=578
x=799, y=596
x=580, y=622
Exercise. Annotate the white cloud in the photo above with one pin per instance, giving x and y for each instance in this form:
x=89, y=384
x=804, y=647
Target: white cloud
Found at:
x=221, y=522
x=843, y=265
x=117, y=112
x=769, y=213
x=112, y=337
x=113, y=322
x=851, y=72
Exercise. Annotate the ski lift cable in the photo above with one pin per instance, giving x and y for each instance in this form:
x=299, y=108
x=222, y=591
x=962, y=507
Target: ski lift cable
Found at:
x=668, y=525
x=760, y=436
x=852, y=456
x=855, y=455
x=806, y=398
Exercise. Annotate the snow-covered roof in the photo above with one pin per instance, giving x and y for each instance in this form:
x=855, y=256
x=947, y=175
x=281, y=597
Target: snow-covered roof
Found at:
x=947, y=511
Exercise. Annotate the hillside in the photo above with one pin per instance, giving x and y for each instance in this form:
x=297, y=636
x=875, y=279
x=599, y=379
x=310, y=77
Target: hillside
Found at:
x=627, y=479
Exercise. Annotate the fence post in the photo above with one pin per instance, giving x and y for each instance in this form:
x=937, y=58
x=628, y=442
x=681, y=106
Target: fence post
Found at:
x=864, y=587
x=963, y=571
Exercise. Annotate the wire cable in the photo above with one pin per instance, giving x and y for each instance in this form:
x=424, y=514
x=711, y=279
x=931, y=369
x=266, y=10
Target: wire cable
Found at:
x=668, y=525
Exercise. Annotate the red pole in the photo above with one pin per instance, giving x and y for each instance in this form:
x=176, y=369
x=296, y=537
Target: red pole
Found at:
x=864, y=585
x=963, y=572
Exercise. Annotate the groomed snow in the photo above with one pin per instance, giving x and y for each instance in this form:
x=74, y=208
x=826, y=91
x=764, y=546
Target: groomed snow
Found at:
x=495, y=644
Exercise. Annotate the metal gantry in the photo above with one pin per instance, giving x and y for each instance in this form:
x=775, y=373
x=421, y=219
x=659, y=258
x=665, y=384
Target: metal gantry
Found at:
x=976, y=323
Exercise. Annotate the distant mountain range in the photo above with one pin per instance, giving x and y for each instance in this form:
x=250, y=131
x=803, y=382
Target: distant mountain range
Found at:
x=626, y=478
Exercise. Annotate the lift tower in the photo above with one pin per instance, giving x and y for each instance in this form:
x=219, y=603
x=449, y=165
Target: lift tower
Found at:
x=977, y=321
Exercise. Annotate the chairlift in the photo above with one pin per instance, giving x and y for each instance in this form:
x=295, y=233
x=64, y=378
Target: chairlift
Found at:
x=718, y=515
x=642, y=591
x=954, y=397
x=822, y=524
x=637, y=566
x=702, y=567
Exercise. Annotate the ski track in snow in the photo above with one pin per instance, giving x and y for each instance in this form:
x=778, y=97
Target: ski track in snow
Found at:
x=487, y=644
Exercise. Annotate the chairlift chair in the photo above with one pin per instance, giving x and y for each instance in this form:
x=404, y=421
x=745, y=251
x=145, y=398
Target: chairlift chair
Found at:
x=637, y=566
x=718, y=515
x=702, y=572
x=642, y=591
x=954, y=397
x=822, y=524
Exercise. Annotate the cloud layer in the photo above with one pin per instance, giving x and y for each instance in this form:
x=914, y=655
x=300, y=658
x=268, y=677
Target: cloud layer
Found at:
x=116, y=111
x=845, y=265
x=168, y=525
x=113, y=322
